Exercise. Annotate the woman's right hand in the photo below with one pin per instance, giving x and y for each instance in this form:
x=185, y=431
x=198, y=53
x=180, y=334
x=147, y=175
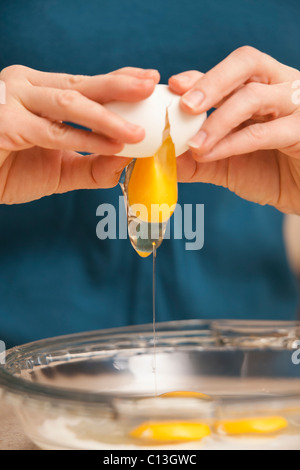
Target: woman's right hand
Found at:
x=39, y=151
x=250, y=143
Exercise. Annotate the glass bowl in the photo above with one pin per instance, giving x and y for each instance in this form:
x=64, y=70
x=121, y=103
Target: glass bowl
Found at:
x=195, y=385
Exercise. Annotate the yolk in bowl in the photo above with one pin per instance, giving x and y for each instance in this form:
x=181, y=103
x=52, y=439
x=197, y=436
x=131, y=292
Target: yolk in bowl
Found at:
x=261, y=425
x=184, y=394
x=171, y=431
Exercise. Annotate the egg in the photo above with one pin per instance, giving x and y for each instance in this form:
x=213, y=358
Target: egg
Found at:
x=152, y=114
x=171, y=431
x=185, y=394
x=261, y=425
x=150, y=186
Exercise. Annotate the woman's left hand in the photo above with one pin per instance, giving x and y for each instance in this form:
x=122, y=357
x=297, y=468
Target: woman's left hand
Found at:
x=251, y=142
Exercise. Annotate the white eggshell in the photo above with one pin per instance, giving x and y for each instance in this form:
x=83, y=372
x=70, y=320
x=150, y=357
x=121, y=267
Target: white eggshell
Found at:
x=151, y=115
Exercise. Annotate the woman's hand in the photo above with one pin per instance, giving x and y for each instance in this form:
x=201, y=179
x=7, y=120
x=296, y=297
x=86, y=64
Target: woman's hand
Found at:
x=251, y=142
x=38, y=150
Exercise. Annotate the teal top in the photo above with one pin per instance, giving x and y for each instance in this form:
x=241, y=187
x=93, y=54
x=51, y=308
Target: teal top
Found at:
x=56, y=276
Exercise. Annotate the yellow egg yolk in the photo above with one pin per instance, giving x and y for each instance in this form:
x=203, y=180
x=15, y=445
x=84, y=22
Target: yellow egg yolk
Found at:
x=184, y=394
x=152, y=188
x=171, y=431
x=262, y=425
x=143, y=254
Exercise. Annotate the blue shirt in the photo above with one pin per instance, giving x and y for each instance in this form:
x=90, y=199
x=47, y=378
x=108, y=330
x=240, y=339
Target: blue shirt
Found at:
x=56, y=276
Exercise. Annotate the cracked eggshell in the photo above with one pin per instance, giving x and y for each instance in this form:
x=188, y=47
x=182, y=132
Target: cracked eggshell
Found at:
x=151, y=115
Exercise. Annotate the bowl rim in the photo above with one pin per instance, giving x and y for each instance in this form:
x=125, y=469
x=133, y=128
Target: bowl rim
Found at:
x=13, y=386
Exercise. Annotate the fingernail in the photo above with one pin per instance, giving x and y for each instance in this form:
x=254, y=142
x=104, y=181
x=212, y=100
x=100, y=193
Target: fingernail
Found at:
x=198, y=140
x=151, y=72
x=193, y=99
x=142, y=82
x=149, y=81
x=133, y=127
x=182, y=80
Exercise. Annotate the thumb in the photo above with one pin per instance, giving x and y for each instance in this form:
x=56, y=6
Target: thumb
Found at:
x=191, y=171
x=89, y=171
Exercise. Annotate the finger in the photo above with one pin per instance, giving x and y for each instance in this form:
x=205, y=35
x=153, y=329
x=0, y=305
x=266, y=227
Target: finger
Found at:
x=186, y=167
x=65, y=80
x=102, y=88
x=72, y=106
x=244, y=175
x=252, y=100
x=21, y=130
x=240, y=66
x=89, y=171
x=191, y=171
x=279, y=134
x=117, y=87
x=182, y=82
x=138, y=73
